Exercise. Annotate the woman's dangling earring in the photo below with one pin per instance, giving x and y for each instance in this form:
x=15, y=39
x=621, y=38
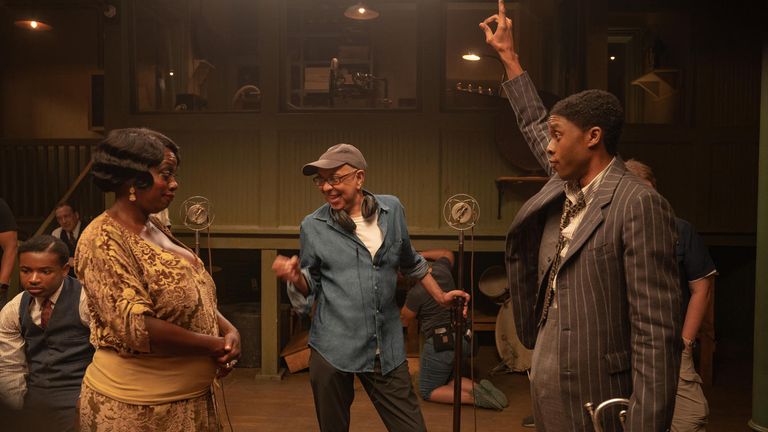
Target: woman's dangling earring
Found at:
x=132, y=194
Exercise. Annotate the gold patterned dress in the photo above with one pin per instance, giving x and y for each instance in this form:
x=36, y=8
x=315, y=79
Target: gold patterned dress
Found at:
x=126, y=279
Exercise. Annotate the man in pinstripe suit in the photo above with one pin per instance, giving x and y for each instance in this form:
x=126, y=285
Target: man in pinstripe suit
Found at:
x=591, y=265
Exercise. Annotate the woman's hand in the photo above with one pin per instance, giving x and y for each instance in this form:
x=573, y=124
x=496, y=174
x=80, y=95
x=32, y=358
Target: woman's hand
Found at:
x=231, y=349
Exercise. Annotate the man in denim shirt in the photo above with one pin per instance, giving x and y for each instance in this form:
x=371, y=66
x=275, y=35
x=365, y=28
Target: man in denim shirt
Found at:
x=351, y=250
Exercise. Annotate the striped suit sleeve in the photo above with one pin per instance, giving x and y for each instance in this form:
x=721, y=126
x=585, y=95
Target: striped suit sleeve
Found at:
x=531, y=116
x=653, y=294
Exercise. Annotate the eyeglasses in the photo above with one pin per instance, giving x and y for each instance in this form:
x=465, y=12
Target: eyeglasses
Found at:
x=332, y=181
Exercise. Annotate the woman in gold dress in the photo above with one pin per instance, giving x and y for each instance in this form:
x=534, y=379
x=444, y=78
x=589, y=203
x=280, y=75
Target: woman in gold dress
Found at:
x=160, y=340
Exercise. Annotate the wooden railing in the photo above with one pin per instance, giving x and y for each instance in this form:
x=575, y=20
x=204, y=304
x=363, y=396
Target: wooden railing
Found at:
x=36, y=175
x=66, y=198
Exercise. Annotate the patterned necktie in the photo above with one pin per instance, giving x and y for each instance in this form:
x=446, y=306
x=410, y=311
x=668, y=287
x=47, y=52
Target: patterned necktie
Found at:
x=69, y=239
x=569, y=211
x=45, y=315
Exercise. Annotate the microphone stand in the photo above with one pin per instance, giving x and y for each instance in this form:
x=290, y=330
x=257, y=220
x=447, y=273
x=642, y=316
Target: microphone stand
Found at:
x=461, y=212
x=458, y=335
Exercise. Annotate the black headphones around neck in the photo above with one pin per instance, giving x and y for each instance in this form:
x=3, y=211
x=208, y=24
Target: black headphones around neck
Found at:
x=368, y=208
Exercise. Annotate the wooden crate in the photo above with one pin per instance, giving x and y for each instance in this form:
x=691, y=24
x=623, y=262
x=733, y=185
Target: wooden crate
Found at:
x=296, y=353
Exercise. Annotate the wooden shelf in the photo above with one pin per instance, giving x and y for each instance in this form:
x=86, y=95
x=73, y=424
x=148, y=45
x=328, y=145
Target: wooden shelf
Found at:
x=483, y=322
x=505, y=181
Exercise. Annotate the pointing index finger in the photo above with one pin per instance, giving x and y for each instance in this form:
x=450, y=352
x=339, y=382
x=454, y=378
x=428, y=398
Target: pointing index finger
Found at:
x=502, y=11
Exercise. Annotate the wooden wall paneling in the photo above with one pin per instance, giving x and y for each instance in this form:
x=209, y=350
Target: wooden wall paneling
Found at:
x=222, y=166
x=727, y=65
x=36, y=173
x=470, y=165
x=52, y=177
x=727, y=85
x=404, y=163
x=408, y=166
x=733, y=206
x=297, y=196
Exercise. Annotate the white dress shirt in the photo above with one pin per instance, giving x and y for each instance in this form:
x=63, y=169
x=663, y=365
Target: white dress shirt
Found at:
x=75, y=234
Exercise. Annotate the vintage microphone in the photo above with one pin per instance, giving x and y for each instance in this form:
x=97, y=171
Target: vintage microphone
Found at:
x=197, y=213
x=460, y=212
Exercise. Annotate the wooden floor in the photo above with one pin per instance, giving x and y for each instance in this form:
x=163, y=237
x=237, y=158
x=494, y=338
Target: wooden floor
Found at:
x=286, y=405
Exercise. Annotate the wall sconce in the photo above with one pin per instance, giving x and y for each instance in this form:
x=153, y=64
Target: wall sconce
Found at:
x=471, y=56
x=33, y=25
x=359, y=11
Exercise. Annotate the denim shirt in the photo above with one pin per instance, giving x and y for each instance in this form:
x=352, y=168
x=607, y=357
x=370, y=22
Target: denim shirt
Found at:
x=355, y=293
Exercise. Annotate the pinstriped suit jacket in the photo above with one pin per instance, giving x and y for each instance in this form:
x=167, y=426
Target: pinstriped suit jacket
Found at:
x=617, y=286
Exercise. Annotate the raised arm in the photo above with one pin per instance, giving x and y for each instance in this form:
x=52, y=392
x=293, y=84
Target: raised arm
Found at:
x=502, y=40
x=529, y=109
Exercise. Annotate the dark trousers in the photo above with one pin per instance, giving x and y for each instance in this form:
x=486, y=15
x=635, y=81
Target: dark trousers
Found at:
x=45, y=411
x=392, y=396
x=37, y=420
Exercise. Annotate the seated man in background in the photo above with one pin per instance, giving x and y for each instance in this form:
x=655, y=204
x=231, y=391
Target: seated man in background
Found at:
x=44, y=346
x=437, y=354
x=69, y=230
x=697, y=283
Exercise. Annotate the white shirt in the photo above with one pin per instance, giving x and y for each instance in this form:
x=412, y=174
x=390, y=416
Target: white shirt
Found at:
x=369, y=233
x=13, y=360
x=75, y=233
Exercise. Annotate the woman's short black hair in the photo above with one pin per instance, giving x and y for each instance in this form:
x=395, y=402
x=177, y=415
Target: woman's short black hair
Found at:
x=46, y=243
x=592, y=108
x=126, y=155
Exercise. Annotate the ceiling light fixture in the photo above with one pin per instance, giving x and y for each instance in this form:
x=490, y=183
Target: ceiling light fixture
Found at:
x=33, y=25
x=359, y=11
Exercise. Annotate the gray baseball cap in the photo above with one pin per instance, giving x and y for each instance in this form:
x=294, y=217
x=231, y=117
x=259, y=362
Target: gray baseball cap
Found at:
x=335, y=157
